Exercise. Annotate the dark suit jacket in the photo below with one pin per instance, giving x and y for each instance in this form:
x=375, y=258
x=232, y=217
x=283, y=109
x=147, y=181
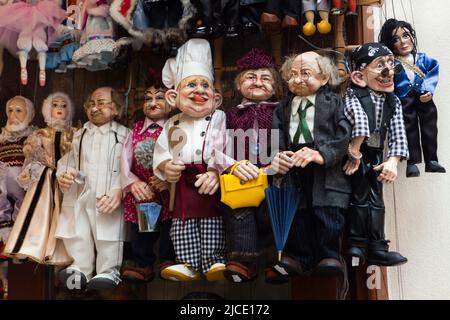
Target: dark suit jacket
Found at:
x=332, y=133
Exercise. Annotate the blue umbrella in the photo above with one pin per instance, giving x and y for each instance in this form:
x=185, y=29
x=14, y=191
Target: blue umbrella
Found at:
x=282, y=202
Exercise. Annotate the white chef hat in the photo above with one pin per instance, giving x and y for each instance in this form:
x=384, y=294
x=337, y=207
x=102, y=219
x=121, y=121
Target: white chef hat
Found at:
x=193, y=59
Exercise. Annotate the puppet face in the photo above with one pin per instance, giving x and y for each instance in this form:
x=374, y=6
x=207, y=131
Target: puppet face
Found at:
x=100, y=108
x=257, y=85
x=402, y=41
x=196, y=96
x=17, y=115
x=305, y=77
x=59, y=108
x=155, y=105
x=374, y=76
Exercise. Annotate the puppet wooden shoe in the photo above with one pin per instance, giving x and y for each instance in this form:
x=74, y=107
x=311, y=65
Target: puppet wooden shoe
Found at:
x=180, y=272
x=23, y=76
x=239, y=272
x=216, y=272
x=434, y=166
x=104, y=281
x=72, y=278
x=412, y=171
x=42, y=78
x=138, y=275
x=289, y=22
x=270, y=22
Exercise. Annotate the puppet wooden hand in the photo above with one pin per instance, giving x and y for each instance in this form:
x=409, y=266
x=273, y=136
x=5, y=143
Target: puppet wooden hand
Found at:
x=246, y=171
x=424, y=98
x=282, y=162
x=353, y=162
x=158, y=185
x=305, y=155
x=141, y=191
x=207, y=182
x=66, y=179
x=388, y=170
x=110, y=201
x=173, y=171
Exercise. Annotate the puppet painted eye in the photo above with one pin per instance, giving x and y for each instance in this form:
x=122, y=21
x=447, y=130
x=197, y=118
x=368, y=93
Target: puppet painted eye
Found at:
x=160, y=97
x=205, y=85
x=191, y=85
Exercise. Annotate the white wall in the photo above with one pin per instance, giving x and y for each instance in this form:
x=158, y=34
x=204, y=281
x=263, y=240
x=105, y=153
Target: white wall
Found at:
x=418, y=209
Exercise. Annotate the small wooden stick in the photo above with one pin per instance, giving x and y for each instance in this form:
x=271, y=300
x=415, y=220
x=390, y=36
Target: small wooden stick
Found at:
x=177, y=140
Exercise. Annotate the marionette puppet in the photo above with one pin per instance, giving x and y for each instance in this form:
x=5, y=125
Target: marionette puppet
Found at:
x=376, y=115
x=33, y=234
x=20, y=112
x=197, y=229
x=314, y=135
x=91, y=221
x=140, y=185
x=415, y=86
x=28, y=24
x=161, y=23
x=260, y=87
x=309, y=7
x=281, y=13
x=98, y=48
x=339, y=7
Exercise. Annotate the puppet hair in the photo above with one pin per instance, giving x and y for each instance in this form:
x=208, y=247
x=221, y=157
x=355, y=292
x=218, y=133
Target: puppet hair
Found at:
x=28, y=105
x=326, y=66
x=390, y=27
x=47, y=108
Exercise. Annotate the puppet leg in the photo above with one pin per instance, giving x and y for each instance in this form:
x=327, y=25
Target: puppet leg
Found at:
x=427, y=113
x=24, y=43
x=40, y=44
x=329, y=225
x=324, y=26
x=309, y=8
x=351, y=11
x=212, y=233
x=142, y=248
x=109, y=260
x=186, y=241
x=412, y=133
x=166, y=250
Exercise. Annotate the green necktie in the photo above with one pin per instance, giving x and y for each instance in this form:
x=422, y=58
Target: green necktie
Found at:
x=303, y=128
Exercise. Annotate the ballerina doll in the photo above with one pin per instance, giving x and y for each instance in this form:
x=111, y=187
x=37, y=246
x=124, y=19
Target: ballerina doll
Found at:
x=27, y=24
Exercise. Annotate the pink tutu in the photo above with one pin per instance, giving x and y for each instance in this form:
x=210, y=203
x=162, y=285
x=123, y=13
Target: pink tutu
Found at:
x=20, y=16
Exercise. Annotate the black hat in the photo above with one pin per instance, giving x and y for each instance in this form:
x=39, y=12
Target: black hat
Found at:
x=366, y=53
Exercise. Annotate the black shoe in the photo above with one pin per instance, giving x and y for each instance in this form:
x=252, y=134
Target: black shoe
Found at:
x=201, y=32
x=412, y=171
x=434, y=166
x=72, y=278
x=329, y=267
x=233, y=32
x=357, y=252
x=385, y=258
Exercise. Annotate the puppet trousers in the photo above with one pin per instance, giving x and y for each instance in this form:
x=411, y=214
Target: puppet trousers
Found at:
x=199, y=242
x=421, y=128
x=88, y=252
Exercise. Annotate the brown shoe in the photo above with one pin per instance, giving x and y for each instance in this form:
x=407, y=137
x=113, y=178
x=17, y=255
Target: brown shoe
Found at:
x=329, y=267
x=270, y=23
x=239, y=273
x=138, y=275
x=273, y=277
x=289, y=22
x=289, y=265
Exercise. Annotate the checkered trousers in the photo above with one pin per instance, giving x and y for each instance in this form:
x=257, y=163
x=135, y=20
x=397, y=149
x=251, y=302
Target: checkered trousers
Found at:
x=397, y=140
x=199, y=242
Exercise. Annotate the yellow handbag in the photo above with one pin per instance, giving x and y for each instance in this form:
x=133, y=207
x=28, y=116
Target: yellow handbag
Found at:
x=236, y=194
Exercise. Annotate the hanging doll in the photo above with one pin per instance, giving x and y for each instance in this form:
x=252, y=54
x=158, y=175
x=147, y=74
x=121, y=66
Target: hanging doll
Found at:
x=376, y=114
x=314, y=135
x=91, y=221
x=197, y=230
x=61, y=50
x=20, y=112
x=141, y=186
x=98, y=48
x=415, y=86
x=161, y=24
x=260, y=86
x=30, y=24
x=309, y=7
x=33, y=234
x=339, y=7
